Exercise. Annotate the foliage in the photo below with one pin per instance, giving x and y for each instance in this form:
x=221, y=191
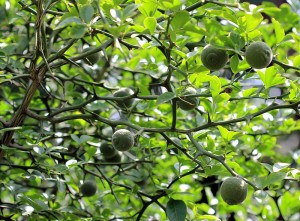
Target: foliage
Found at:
x=57, y=109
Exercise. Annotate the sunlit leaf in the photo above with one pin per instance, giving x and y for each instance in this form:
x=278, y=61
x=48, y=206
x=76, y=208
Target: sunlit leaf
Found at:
x=279, y=30
x=150, y=24
x=270, y=77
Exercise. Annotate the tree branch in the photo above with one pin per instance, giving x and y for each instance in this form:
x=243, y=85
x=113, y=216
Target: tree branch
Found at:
x=219, y=159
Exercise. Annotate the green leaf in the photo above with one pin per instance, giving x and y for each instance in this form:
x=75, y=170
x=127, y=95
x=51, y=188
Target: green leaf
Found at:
x=288, y=38
x=226, y=134
x=117, y=2
x=249, y=92
x=208, y=217
x=75, y=138
x=150, y=23
x=84, y=138
x=60, y=168
x=147, y=7
x=238, y=40
x=215, y=86
x=137, y=28
x=48, y=150
x=289, y=203
x=86, y=12
x=271, y=77
x=77, y=31
x=296, y=61
x=71, y=162
x=176, y=210
x=198, y=79
x=129, y=11
x=234, y=62
x=272, y=178
x=294, y=91
x=224, y=42
x=38, y=205
x=253, y=21
x=167, y=96
x=68, y=21
x=221, y=98
x=180, y=19
x=2, y=64
x=280, y=166
x=268, y=167
x=279, y=30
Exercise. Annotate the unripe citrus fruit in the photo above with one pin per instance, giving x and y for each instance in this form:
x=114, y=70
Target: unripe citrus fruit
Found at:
x=122, y=140
x=123, y=92
x=213, y=58
x=107, y=150
x=115, y=159
x=258, y=55
x=88, y=188
x=234, y=190
x=188, y=103
x=92, y=58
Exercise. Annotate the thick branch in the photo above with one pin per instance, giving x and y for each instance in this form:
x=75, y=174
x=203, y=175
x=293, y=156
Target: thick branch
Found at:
x=19, y=116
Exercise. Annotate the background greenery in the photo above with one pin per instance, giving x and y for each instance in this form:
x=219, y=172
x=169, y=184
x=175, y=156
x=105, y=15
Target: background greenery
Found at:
x=56, y=110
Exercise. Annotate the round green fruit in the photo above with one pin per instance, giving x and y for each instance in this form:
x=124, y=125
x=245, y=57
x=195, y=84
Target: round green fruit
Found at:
x=92, y=58
x=234, y=190
x=88, y=188
x=107, y=150
x=213, y=58
x=124, y=92
x=188, y=103
x=258, y=55
x=115, y=159
x=123, y=140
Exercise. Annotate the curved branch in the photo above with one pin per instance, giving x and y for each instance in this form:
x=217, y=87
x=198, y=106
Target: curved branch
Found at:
x=285, y=66
x=219, y=159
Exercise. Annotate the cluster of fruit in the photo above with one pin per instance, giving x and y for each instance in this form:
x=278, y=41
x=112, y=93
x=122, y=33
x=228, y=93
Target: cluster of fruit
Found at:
x=234, y=189
x=258, y=55
x=122, y=140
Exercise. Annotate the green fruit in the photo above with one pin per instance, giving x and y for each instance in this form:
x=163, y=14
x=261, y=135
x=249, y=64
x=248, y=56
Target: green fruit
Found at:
x=188, y=103
x=92, y=58
x=115, y=159
x=234, y=190
x=123, y=92
x=107, y=150
x=88, y=188
x=213, y=58
x=122, y=140
x=258, y=55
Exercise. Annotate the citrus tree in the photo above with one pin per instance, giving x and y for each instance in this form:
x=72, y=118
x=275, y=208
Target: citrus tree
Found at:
x=149, y=110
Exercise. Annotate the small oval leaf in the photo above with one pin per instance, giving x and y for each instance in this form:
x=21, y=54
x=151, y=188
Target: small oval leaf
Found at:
x=165, y=97
x=86, y=13
x=176, y=210
x=150, y=23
